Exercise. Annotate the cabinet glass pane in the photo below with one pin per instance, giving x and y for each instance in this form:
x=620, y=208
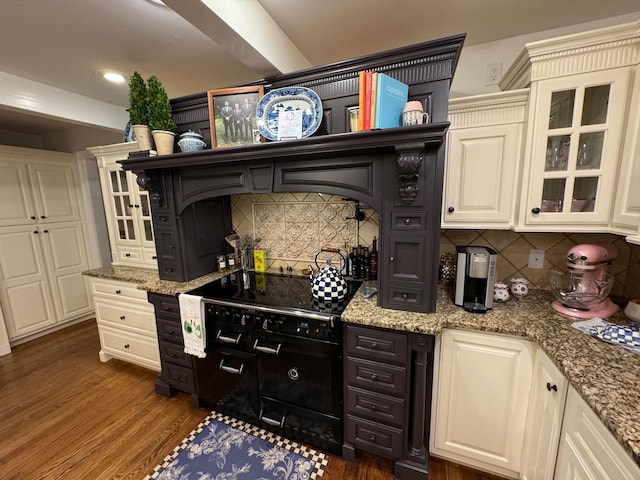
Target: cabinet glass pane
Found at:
x=595, y=105
x=121, y=230
x=585, y=190
x=144, y=204
x=127, y=205
x=130, y=230
x=148, y=231
x=590, y=150
x=561, y=110
x=117, y=203
x=553, y=194
x=557, y=153
x=123, y=181
x=115, y=186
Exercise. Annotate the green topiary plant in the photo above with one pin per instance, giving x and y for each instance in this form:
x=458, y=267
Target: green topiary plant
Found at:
x=138, y=100
x=158, y=107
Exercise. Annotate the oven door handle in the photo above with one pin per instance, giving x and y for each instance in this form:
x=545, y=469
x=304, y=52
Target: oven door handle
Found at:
x=272, y=421
x=227, y=368
x=225, y=339
x=263, y=349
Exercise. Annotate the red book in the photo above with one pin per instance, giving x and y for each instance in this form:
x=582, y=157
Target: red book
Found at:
x=361, y=88
x=367, y=101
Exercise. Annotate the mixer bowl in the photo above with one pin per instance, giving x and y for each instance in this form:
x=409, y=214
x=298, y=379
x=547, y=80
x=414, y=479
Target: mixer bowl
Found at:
x=580, y=289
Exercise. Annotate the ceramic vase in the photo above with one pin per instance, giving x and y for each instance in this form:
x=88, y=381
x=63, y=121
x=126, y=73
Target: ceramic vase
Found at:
x=143, y=137
x=500, y=292
x=164, y=141
x=519, y=287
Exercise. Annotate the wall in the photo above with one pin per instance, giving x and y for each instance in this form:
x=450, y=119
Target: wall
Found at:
x=294, y=227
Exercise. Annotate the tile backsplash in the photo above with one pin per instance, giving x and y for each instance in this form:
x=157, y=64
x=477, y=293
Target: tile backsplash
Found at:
x=294, y=227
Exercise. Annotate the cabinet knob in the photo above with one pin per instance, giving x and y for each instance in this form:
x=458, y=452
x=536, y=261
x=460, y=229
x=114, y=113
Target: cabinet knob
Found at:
x=374, y=346
x=155, y=257
x=43, y=216
x=118, y=292
x=372, y=437
x=404, y=295
x=36, y=232
x=163, y=219
x=167, y=309
x=172, y=246
x=173, y=355
x=33, y=218
x=137, y=206
x=121, y=317
x=171, y=332
x=374, y=377
x=130, y=206
x=126, y=345
x=46, y=231
x=535, y=210
x=407, y=221
x=451, y=209
x=552, y=387
x=373, y=407
x=127, y=254
x=392, y=259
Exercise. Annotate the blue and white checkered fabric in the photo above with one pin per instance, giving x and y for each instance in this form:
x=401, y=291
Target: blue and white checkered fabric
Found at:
x=618, y=334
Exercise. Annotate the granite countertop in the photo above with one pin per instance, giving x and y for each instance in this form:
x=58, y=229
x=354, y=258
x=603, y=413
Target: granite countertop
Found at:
x=607, y=376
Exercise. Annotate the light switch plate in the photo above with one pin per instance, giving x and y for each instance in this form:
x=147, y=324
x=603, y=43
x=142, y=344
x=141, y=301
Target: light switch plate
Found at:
x=536, y=259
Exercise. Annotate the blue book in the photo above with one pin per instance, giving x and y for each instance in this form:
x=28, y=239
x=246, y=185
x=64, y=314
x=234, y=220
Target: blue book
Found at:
x=391, y=97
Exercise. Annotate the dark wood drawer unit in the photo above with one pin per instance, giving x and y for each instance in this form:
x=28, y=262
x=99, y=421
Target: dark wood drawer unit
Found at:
x=388, y=380
x=177, y=367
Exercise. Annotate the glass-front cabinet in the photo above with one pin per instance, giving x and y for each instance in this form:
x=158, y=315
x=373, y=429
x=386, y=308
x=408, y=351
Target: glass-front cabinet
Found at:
x=127, y=209
x=575, y=148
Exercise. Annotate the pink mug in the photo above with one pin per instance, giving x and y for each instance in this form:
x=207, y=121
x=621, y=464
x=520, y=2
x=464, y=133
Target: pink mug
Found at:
x=413, y=114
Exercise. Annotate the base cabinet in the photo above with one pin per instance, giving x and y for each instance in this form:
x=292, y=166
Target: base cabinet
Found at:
x=126, y=323
x=481, y=400
x=548, y=395
x=177, y=366
x=387, y=391
x=587, y=449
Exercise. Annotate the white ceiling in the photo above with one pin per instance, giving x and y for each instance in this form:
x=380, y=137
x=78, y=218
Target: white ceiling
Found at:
x=191, y=48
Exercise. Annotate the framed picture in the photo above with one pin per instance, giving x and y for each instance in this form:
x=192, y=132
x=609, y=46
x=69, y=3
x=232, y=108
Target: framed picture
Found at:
x=232, y=115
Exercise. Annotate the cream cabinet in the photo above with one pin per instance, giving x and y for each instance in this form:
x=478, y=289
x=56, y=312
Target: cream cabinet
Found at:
x=127, y=209
x=42, y=245
x=587, y=449
x=580, y=91
x=126, y=323
x=481, y=397
x=544, y=421
x=484, y=153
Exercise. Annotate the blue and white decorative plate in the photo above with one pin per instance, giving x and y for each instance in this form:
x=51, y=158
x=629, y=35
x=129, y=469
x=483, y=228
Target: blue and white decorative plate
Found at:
x=285, y=99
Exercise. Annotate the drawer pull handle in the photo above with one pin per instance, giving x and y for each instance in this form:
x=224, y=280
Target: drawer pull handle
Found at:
x=552, y=387
x=272, y=421
x=372, y=437
x=171, y=332
x=118, y=292
x=407, y=221
x=374, y=346
x=121, y=317
x=374, y=377
x=373, y=407
x=404, y=295
x=126, y=345
x=225, y=339
x=228, y=369
x=263, y=349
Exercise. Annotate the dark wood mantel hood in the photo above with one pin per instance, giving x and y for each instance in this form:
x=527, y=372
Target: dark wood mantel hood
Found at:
x=397, y=171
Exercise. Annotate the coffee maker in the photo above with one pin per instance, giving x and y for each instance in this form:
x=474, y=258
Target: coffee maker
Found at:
x=475, y=277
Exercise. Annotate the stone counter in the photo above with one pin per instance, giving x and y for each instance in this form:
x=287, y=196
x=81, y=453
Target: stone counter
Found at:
x=607, y=376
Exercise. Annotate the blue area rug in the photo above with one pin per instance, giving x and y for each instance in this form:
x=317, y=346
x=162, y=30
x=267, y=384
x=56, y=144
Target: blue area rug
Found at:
x=222, y=448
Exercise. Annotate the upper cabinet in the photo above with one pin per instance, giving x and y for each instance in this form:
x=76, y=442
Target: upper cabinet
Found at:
x=579, y=105
x=484, y=153
x=127, y=209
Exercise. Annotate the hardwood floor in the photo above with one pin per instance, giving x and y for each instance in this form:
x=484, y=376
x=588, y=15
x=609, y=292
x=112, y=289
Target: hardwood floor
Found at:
x=66, y=415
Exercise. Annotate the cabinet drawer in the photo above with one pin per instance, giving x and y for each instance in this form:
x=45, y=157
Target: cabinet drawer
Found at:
x=130, y=346
x=373, y=437
x=408, y=221
x=375, y=406
x=166, y=306
x=130, y=255
x=119, y=315
x=376, y=344
x=119, y=290
x=169, y=331
x=180, y=377
x=376, y=376
x=403, y=297
x=174, y=353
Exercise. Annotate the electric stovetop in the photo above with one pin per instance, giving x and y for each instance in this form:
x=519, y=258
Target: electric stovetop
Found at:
x=280, y=291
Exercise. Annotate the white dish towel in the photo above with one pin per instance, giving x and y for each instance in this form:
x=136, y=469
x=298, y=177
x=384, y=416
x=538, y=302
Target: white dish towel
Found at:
x=193, y=324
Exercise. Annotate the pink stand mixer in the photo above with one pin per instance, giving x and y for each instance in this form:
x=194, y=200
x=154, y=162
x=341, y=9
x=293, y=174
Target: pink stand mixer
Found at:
x=583, y=290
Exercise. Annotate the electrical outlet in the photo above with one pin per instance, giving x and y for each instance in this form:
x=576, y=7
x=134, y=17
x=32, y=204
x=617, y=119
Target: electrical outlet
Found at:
x=536, y=259
x=494, y=73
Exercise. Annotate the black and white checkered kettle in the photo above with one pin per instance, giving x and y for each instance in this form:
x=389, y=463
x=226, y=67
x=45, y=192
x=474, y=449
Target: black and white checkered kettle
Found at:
x=327, y=285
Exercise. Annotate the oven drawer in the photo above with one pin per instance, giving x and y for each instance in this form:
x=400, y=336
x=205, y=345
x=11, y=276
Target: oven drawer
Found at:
x=180, y=377
x=376, y=345
x=375, y=406
x=373, y=437
x=169, y=331
x=173, y=353
x=389, y=379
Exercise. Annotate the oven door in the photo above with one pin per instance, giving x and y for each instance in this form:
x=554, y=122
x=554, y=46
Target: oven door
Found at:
x=226, y=379
x=300, y=371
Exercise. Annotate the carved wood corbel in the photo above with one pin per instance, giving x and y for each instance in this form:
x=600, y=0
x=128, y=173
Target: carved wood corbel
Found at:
x=145, y=182
x=409, y=160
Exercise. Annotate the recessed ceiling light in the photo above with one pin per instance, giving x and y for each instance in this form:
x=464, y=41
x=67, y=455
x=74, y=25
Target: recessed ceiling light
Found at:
x=111, y=75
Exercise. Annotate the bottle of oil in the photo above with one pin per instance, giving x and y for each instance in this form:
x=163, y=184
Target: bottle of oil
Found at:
x=373, y=259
